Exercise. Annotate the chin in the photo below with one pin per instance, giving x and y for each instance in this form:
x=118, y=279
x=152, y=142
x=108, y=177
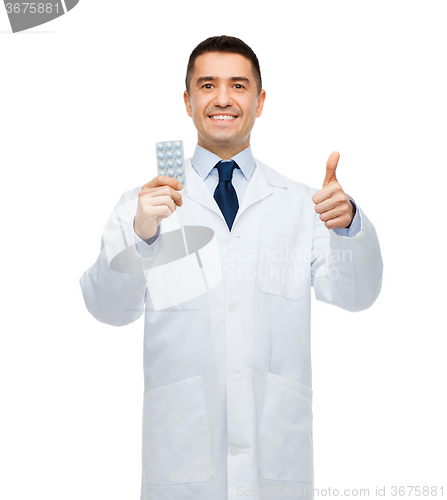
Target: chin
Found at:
x=221, y=138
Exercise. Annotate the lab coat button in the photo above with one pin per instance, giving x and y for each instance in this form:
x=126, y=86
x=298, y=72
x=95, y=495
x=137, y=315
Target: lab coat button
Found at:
x=237, y=377
x=234, y=450
x=232, y=307
x=361, y=235
x=224, y=237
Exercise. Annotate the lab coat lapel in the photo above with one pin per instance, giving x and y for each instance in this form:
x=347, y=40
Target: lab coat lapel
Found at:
x=258, y=188
x=196, y=190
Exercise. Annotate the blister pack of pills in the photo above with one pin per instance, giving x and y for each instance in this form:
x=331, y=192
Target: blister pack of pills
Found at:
x=170, y=159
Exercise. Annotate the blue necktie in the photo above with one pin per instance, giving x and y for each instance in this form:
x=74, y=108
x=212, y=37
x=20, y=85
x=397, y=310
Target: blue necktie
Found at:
x=225, y=194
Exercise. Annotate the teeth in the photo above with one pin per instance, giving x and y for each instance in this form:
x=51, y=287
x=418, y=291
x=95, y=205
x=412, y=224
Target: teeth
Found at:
x=222, y=117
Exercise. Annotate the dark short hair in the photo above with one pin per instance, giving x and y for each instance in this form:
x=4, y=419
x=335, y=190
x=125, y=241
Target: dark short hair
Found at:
x=226, y=44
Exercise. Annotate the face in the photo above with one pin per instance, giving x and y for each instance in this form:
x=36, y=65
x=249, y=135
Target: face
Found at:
x=223, y=102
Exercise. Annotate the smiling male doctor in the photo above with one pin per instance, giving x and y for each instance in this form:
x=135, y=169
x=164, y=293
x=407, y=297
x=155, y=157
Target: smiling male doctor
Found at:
x=228, y=398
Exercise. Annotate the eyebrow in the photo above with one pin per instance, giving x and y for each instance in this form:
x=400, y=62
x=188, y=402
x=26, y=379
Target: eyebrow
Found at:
x=215, y=78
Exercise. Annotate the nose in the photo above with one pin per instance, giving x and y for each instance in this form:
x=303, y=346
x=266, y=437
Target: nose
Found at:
x=223, y=97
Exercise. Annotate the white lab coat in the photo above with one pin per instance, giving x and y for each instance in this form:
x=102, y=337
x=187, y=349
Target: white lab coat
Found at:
x=228, y=387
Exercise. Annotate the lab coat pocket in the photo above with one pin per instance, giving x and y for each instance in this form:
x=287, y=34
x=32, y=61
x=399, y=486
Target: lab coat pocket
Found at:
x=285, y=431
x=284, y=261
x=176, y=437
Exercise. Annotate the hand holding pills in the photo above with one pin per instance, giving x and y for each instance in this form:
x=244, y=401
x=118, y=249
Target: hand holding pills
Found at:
x=331, y=202
x=157, y=200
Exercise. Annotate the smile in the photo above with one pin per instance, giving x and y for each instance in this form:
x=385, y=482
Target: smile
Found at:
x=223, y=117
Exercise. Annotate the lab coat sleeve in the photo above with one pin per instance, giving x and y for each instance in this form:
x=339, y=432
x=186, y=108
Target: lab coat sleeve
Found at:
x=114, y=287
x=347, y=270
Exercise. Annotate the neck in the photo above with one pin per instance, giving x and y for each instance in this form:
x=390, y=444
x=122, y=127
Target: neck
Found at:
x=223, y=151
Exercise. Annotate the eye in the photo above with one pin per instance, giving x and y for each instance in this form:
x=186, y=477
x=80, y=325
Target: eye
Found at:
x=207, y=86
x=238, y=86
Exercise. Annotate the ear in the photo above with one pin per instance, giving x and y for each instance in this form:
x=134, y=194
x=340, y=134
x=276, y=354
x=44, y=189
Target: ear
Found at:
x=187, y=100
x=260, y=106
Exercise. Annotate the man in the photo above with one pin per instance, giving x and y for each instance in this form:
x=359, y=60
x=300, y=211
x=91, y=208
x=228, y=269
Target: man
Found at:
x=228, y=398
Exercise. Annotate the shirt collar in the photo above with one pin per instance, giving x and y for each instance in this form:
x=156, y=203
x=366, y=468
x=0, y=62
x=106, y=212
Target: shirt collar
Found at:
x=204, y=161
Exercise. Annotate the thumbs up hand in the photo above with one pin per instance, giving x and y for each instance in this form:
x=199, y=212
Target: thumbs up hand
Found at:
x=331, y=202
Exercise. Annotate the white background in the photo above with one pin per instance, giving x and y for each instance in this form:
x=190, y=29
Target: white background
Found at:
x=83, y=100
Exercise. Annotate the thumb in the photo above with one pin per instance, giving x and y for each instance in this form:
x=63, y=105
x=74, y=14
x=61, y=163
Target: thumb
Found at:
x=331, y=166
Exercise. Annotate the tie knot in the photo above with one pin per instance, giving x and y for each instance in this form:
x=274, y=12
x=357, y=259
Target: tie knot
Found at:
x=225, y=169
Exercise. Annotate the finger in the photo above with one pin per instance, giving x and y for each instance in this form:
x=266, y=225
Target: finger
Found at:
x=331, y=166
x=163, y=211
x=335, y=199
x=164, y=180
x=333, y=214
x=163, y=191
x=164, y=199
x=342, y=222
x=325, y=193
x=325, y=206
